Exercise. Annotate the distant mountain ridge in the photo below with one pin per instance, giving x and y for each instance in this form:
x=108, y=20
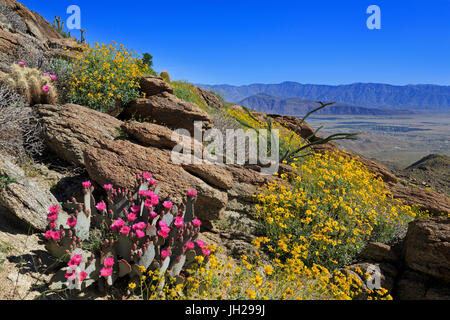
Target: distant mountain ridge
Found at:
x=368, y=95
x=300, y=107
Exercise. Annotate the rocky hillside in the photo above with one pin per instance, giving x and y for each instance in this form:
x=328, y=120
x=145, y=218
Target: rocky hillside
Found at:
x=82, y=144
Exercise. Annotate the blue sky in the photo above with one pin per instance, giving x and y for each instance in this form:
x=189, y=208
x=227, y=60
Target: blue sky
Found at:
x=256, y=41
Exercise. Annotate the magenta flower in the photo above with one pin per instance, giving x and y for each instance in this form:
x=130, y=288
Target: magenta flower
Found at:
x=153, y=214
x=70, y=275
x=54, y=209
x=147, y=176
x=190, y=245
x=52, y=224
x=46, y=74
x=56, y=235
x=53, y=77
x=46, y=89
x=206, y=252
x=76, y=260
x=21, y=63
x=108, y=187
x=125, y=230
x=82, y=276
x=101, y=206
x=48, y=234
x=52, y=216
x=131, y=217
x=152, y=182
x=200, y=243
x=87, y=184
x=162, y=224
x=168, y=205
x=154, y=199
x=179, y=221
x=192, y=193
x=164, y=232
x=197, y=222
x=165, y=254
x=140, y=234
x=139, y=226
x=71, y=222
x=135, y=209
x=106, y=272
x=108, y=262
x=119, y=223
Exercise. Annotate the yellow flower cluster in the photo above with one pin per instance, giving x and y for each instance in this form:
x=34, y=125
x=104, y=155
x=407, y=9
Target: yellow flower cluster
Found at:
x=105, y=76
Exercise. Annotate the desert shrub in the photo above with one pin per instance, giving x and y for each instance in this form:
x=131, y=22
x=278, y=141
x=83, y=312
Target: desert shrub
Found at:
x=329, y=209
x=189, y=93
x=20, y=133
x=62, y=69
x=124, y=236
x=105, y=77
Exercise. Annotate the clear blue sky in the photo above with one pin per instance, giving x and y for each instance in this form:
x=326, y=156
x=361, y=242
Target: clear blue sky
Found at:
x=255, y=41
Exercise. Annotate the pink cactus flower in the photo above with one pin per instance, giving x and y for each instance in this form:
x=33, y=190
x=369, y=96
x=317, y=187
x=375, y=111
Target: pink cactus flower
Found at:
x=200, y=243
x=165, y=254
x=21, y=63
x=131, y=217
x=76, y=260
x=70, y=275
x=179, y=221
x=147, y=176
x=71, y=222
x=139, y=226
x=52, y=216
x=119, y=223
x=153, y=214
x=52, y=224
x=140, y=234
x=53, y=77
x=108, y=187
x=206, y=252
x=56, y=235
x=138, y=176
x=162, y=224
x=197, y=222
x=45, y=89
x=87, y=184
x=168, y=205
x=48, y=234
x=164, y=232
x=192, y=193
x=152, y=182
x=135, y=209
x=46, y=74
x=190, y=245
x=101, y=206
x=83, y=275
x=108, y=262
x=125, y=230
x=106, y=272
x=54, y=209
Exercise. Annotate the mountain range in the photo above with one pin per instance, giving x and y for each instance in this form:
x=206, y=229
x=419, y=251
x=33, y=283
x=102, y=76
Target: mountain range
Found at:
x=367, y=95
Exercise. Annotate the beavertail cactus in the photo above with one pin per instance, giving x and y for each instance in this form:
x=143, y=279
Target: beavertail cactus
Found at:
x=135, y=238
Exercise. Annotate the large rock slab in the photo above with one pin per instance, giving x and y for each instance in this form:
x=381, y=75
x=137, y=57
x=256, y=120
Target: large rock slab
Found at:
x=151, y=85
x=119, y=161
x=427, y=247
x=166, y=109
x=70, y=128
x=24, y=197
x=435, y=203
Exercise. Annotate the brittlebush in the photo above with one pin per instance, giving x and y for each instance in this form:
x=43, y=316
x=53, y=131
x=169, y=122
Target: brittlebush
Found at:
x=106, y=76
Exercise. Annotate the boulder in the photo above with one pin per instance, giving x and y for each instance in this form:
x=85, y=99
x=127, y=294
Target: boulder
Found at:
x=213, y=174
x=379, y=252
x=151, y=85
x=427, y=247
x=211, y=99
x=70, y=128
x=26, y=198
x=435, y=203
x=119, y=161
x=413, y=285
x=166, y=109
